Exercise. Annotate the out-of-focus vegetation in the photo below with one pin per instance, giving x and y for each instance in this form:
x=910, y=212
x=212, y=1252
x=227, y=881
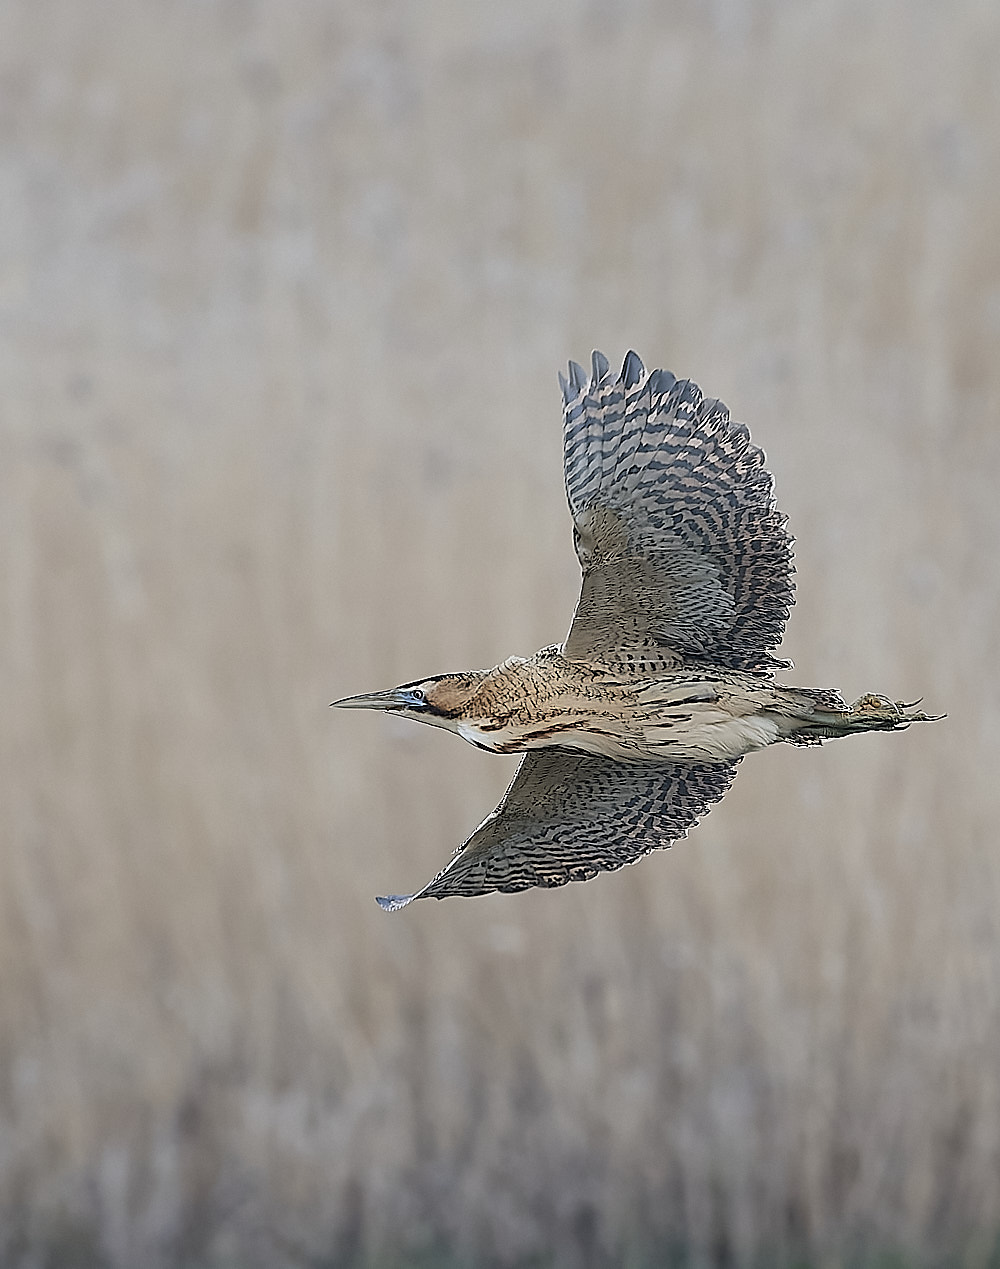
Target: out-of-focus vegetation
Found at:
x=283, y=293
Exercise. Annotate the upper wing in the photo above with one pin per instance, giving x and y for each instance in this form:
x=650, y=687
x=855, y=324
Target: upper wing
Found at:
x=568, y=816
x=683, y=551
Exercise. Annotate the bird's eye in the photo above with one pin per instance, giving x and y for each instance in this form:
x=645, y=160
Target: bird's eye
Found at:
x=418, y=693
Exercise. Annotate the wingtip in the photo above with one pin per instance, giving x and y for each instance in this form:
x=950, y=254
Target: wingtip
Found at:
x=632, y=369
x=600, y=368
x=393, y=902
x=577, y=376
x=661, y=382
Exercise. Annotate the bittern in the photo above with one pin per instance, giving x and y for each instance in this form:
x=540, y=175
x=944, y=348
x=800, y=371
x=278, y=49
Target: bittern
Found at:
x=634, y=726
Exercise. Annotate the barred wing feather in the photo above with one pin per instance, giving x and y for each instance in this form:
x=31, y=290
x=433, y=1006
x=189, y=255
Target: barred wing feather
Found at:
x=568, y=816
x=683, y=551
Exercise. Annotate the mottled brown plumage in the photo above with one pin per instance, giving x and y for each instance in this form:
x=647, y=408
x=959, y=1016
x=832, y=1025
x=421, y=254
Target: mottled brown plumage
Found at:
x=634, y=726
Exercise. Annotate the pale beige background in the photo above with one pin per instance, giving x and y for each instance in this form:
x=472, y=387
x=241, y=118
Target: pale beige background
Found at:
x=284, y=288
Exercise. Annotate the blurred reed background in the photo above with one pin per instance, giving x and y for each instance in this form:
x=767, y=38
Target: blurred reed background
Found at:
x=284, y=288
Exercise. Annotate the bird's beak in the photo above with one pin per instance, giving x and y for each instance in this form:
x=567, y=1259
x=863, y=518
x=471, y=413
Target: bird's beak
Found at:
x=395, y=698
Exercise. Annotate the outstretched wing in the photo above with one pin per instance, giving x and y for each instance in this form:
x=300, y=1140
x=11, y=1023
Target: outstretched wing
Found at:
x=684, y=554
x=568, y=816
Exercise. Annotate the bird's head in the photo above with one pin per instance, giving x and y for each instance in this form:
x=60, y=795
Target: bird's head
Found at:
x=442, y=701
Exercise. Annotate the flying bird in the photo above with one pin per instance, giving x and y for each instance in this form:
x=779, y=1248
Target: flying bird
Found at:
x=634, y=726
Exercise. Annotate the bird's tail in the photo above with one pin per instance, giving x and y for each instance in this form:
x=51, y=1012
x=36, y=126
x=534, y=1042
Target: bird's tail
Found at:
x=828, y=716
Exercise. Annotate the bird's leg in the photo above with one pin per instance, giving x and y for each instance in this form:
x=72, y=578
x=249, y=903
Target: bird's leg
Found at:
x=875, y=711
x=870, y=712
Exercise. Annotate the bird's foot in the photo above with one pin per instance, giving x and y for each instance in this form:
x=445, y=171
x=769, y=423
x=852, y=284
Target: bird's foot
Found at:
x=875, y=711
x=870, y=712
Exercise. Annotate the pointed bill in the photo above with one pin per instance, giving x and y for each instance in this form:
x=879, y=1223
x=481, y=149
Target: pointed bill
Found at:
x=395, y=698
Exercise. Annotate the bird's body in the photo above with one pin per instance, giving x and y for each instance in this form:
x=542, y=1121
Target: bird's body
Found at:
x=549, y=701
x=684, y=714
x=634, y=725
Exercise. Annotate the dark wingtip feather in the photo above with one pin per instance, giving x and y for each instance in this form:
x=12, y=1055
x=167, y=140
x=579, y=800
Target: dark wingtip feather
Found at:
x=632, y=369
x=577, y=377
x=564, y=385
x=599, y=368
x=661, y=381
x=393, y=902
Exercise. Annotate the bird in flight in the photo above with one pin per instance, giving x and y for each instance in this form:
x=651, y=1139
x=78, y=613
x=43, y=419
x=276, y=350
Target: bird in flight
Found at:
x=634, y=726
